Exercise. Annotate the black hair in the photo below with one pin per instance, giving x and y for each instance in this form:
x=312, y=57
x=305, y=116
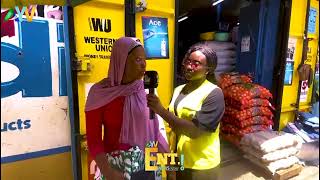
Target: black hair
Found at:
x=211, y=58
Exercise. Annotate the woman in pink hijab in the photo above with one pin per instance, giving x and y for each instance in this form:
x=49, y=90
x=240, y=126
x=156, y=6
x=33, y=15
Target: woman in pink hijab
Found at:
x=118, y=103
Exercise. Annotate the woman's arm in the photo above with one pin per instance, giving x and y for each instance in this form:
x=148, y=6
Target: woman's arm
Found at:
x=205, y=120
x=95, y=143
x=178, y=125
x=106, y=169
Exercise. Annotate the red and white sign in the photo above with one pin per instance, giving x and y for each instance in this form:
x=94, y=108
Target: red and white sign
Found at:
x=304, y=91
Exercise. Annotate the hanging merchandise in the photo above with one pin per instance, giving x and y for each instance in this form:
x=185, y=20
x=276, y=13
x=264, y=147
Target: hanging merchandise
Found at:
x=306, y=75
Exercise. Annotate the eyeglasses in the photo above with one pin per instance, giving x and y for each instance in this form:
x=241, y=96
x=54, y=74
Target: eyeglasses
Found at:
x=140, y=60
x=193, y=63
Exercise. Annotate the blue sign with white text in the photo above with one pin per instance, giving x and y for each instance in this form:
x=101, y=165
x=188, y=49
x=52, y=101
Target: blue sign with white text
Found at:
x=155, y=37
x=312, y=20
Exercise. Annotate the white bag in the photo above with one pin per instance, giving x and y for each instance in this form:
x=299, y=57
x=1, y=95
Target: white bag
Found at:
x=274, y=166
x=268, y=141
x=272, y=156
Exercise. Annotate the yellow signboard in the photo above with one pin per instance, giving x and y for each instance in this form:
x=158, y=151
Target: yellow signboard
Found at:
x=97, y=26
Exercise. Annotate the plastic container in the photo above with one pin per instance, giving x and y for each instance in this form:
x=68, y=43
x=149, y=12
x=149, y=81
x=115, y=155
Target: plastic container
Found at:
x=207, y=36
x=221, y=36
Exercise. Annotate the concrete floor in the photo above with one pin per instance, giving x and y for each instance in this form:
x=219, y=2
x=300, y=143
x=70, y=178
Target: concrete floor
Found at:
x=234, y=167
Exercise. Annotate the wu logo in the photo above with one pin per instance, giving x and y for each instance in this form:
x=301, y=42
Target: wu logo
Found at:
x=98, y=24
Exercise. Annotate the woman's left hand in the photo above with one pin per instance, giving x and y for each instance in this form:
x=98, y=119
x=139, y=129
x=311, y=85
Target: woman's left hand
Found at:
x=154, y=103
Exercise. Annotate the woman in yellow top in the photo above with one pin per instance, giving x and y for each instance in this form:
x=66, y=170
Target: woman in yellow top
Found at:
x=194, y=114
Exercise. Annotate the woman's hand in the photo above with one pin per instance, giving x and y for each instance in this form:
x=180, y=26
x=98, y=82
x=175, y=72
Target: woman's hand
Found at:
x=106, y=169
x=171, y=175
x=154, y=103
x=113, y=174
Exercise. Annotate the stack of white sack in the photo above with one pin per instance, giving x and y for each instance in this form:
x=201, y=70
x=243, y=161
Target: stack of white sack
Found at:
x=271, y=150
x=226, y=54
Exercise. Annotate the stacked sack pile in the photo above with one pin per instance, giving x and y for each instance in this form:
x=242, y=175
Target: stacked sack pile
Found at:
x=226, y=56
x=271, y=150
x=248, y=108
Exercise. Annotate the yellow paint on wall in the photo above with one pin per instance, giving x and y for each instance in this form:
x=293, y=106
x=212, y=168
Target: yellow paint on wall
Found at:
x=290, y=91
x=53, y=167
x=297, y=25
x=115, y=11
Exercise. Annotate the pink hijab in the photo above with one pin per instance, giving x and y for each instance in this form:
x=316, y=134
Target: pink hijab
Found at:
x=137, y=128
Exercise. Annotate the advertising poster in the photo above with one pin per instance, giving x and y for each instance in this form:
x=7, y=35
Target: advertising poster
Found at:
x=290, y=61
x=155, y=37
x=288, y=73
x=34, y=101
x=312, y=20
